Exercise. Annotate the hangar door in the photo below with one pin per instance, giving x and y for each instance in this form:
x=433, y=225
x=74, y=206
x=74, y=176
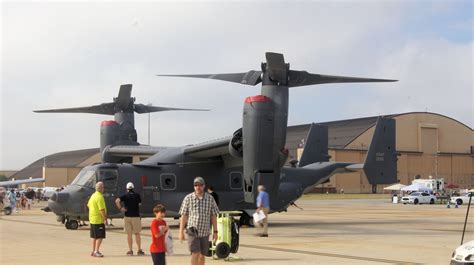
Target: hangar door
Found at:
x=429, y=140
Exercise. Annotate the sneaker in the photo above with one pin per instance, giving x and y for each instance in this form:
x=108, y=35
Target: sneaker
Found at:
x=140, y=252
x=97, y=254
x=130, y=253
x=264, y=235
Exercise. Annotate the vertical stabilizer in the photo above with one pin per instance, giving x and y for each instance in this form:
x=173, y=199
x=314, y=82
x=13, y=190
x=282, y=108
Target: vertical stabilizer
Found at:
x=380, y=165
x=316, y=146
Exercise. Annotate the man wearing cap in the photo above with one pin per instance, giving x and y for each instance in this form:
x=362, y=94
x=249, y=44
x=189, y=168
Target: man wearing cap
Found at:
x=198, y=210
x=129, y=204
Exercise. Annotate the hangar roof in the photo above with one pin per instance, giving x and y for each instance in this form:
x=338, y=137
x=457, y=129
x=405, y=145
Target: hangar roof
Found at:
x=343, y=132
x=62, y=159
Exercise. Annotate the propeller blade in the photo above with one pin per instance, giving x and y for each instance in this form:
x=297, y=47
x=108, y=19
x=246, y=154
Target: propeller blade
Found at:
x=104, y=108
x=276, y=67
x=303, y=78
x=250, y=78
x=124, y=97
x=140, y=108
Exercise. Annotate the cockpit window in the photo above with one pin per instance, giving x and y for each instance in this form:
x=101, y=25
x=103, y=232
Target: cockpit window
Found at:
x=85, y=178
x=109, y=178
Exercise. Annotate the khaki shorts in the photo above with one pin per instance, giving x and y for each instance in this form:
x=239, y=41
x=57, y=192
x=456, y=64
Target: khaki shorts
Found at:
x=133, y=225
x=197, y=244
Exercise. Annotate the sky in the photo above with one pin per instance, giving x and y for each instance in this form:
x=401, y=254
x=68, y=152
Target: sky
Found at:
x=72, y=54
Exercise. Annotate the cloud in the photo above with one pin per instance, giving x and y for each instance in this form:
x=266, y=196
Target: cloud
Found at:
x=66, y=55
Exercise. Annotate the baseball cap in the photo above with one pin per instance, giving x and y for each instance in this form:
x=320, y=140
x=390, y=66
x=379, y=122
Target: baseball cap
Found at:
x=130, y=186
x=199, y=180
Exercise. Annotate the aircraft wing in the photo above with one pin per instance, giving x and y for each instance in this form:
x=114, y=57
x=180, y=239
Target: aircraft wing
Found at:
x=209, y=149
x=132, y=150
x=20, y=181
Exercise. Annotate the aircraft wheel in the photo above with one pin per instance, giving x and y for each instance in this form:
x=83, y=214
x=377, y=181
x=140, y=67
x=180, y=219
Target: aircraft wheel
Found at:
x=72, y=224
x=222, y=250
x=245, y=219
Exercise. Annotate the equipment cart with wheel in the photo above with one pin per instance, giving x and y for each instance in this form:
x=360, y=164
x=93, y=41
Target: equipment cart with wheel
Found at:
x=227, y=235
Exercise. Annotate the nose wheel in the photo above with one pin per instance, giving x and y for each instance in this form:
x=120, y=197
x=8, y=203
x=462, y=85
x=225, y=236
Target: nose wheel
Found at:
x=71, y=224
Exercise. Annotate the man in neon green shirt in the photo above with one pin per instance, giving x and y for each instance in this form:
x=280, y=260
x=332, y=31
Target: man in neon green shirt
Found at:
x=97, y=218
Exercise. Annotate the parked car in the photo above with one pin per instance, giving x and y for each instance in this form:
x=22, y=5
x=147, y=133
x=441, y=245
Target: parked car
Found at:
x=48, y=192
x=464, y=254
x=461, y=199
x=419, y=198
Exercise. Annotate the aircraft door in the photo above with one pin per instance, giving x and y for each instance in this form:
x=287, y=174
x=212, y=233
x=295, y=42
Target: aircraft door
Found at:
x=150, y=195
x=109, y=178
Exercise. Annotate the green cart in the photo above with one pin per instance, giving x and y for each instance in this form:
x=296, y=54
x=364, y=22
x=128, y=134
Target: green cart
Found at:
x=227, y=235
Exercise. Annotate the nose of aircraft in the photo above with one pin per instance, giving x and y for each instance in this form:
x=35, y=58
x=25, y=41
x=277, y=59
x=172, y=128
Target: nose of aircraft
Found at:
x=57, y=201
x=60, y=197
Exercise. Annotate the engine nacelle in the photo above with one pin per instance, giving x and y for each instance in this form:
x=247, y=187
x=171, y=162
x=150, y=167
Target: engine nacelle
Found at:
x=109, y=133
x=112, y=133
x=259, y=160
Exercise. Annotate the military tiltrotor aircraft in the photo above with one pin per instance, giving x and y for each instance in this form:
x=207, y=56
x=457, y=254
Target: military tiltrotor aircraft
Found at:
x=235, y=165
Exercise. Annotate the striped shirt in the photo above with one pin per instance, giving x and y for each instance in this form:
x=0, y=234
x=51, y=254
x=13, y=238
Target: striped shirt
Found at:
x=199, y=212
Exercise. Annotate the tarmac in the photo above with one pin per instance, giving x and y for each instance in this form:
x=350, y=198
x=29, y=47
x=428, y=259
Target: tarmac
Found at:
x=357, y=231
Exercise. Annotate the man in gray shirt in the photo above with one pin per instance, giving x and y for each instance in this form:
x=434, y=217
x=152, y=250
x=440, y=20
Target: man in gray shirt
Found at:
x=197, y=211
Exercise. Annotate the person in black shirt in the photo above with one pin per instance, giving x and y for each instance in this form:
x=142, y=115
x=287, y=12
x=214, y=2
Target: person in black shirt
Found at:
x=214, y=194
x=129, y=204
x=30, y=195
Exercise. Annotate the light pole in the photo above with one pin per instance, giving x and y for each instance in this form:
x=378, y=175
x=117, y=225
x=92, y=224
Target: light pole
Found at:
x=149, y=104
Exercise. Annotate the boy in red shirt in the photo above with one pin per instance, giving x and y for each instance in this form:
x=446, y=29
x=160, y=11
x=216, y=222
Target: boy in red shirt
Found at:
x=158, y=234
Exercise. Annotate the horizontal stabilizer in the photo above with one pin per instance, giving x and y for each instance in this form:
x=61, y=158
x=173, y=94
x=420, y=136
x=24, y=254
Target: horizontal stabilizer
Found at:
x=355, y=167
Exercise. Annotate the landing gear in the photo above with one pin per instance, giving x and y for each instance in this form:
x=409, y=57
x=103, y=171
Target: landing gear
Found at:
x=245, y=219
x=71, y=224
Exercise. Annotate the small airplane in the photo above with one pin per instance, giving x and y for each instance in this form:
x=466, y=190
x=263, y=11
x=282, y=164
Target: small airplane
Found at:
x=254, y=155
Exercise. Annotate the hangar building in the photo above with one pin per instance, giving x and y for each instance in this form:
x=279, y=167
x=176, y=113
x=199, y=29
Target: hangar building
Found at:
x=429, y=144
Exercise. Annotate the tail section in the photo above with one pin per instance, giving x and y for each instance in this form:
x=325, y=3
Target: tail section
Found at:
x=316, y=147
x=380, y=165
